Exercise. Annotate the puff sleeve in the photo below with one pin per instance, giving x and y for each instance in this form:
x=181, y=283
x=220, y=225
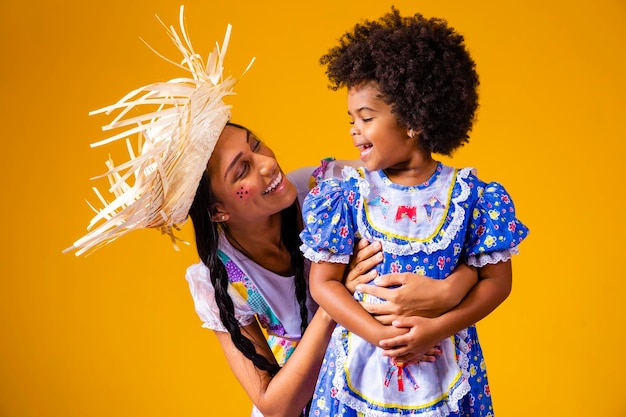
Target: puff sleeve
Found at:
x=203, y=294
x=494, y=231
x=328, y=233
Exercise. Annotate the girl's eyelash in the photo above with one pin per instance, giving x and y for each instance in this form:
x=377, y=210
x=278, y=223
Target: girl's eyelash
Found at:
x=364, y=119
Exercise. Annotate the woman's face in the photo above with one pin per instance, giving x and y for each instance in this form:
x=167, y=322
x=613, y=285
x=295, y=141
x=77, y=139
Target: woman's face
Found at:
x=246, y=178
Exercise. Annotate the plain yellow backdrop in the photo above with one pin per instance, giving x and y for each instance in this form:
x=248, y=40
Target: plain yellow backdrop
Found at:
x=115, y=334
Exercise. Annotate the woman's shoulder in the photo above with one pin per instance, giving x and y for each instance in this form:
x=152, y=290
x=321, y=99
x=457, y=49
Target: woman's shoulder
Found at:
x=198, y=272
x=202, y=291
x=198, y=277
x=306, y=177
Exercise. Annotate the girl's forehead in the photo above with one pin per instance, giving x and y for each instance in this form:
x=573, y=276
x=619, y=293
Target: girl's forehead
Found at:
x=365, y=95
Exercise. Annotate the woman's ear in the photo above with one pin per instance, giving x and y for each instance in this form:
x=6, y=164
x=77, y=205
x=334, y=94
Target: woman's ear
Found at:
x=218, y=213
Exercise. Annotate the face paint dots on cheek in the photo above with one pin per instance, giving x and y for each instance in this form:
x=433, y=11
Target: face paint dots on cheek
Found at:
x=243, y=193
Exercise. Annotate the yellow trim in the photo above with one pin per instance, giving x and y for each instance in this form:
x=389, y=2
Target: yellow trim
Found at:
x=437, y=229
x=402, y=407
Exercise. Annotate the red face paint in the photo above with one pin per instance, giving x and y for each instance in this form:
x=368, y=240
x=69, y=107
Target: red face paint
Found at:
x=243, y=193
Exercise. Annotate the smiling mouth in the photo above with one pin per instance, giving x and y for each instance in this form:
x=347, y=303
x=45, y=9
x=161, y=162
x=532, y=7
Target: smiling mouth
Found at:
x=274, y=184
x=364, y=149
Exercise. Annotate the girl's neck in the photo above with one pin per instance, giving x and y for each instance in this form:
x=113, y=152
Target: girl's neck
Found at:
x=413, y=173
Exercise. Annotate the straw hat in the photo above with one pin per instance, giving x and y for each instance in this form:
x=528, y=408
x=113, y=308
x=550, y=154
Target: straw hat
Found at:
x=156, y=186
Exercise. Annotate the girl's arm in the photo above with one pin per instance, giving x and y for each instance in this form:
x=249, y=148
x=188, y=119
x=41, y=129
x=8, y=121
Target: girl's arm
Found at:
x=330, y=293
x=289, y=391
x=493, y=287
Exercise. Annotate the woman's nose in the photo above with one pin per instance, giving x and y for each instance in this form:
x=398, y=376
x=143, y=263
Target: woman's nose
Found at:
x=267, y=164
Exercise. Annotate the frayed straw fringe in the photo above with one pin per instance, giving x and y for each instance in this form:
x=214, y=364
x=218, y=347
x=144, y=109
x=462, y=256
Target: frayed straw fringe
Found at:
x=174, y=145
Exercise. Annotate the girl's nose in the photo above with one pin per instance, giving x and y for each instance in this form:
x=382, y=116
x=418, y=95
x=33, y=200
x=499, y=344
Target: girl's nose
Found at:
x=353, y=130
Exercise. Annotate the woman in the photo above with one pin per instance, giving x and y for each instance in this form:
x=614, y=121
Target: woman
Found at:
x=246, y=217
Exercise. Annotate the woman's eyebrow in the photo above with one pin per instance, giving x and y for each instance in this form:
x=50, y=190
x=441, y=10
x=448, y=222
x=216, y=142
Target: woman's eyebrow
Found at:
x=237, y=157
x=232, y=164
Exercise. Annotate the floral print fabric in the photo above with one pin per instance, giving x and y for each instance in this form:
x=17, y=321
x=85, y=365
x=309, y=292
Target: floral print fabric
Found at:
x=426, y=229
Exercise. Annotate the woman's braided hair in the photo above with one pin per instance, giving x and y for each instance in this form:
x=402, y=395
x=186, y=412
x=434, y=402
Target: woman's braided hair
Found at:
x=207, y=239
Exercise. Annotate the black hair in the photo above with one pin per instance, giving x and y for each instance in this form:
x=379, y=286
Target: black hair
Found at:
x=423, y=70
x=207, y=238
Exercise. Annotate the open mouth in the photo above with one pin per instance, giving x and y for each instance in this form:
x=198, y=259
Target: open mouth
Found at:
x=364, y=149
x=274, y=184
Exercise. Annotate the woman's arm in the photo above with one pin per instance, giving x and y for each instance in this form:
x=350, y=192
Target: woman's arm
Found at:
x=328, y=290
x=286, y=393
x=417, y=295
x=493, y=287
x=413, y=295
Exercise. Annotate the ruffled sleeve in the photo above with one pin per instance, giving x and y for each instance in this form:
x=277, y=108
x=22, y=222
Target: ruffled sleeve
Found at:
x=494, y=232
x=328, y=233
x=203, y=294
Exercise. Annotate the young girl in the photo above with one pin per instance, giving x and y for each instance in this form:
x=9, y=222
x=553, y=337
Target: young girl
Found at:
x=411, y=92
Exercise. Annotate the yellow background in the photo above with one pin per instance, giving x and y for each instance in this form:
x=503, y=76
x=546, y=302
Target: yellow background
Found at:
x=115, y=334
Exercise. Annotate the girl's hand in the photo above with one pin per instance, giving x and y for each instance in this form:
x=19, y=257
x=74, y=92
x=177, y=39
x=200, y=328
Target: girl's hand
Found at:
x=430, y=356
x=360, y=270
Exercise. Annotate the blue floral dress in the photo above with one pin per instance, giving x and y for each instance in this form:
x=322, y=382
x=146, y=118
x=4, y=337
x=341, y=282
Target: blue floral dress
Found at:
x=426, y=229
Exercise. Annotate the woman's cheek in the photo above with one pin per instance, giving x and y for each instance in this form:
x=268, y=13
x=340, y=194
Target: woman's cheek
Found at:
x=243, y=193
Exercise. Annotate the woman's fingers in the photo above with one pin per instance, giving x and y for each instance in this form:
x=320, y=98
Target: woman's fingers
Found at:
x=360, y=270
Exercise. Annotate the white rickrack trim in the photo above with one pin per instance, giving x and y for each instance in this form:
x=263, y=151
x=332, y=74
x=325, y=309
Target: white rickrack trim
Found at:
x=483, y=259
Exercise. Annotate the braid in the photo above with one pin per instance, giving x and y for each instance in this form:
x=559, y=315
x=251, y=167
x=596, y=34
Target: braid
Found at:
x=207, y=237
x=291, y=238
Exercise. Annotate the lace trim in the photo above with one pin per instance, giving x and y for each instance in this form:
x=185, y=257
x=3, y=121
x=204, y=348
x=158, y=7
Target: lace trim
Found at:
x=351, y=173
x=315, y=256
x=455, y=396
x=483, y=259
x=464, y=362
x=446, y=234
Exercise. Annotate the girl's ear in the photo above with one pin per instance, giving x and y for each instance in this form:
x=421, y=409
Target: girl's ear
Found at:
x=412, y=133
x=218, y=213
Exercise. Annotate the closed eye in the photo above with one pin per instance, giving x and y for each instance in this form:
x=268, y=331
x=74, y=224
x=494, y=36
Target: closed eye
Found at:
x=244, y=166
x=255, y=145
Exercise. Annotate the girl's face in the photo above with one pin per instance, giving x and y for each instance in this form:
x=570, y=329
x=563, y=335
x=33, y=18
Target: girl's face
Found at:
x=375, y=131
x=246, y=178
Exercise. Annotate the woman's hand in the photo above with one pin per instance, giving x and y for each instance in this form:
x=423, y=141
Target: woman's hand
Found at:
x=417, y=295
x=416, y=345
x=360, y=270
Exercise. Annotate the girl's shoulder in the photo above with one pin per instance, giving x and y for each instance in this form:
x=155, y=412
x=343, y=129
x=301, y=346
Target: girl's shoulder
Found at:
x=306, y=178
